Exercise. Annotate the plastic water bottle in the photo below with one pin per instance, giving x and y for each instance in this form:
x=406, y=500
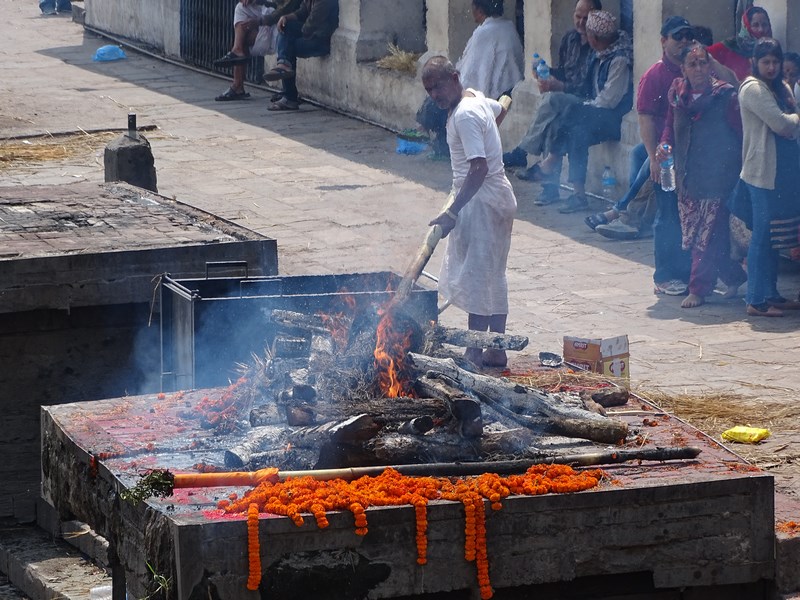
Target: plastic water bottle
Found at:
x=609, y=182
x=542, y=70
x=668, y=170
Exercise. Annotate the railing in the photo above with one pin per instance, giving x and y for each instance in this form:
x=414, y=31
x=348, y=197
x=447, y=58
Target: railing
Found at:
x=207, y=34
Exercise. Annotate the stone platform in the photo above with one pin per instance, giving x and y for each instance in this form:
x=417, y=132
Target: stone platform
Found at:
x=79, y=267
x=702, y=524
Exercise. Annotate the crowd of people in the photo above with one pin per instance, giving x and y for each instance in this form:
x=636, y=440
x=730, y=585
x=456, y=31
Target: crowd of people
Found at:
x=725, y=113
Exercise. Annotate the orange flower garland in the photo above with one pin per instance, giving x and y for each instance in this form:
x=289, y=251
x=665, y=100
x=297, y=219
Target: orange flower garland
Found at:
x=299, y=495
x=253, y=548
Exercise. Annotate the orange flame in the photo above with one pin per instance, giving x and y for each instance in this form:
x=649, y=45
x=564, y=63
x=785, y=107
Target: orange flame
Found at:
x=390, y=352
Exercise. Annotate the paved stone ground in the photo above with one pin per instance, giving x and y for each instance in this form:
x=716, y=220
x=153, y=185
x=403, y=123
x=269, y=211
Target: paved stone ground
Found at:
x=337, y=198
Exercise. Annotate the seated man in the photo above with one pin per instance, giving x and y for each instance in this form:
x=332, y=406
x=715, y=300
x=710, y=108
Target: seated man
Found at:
x=303, y=33
x=589, y=122
x=253, y=35
x=569, y=77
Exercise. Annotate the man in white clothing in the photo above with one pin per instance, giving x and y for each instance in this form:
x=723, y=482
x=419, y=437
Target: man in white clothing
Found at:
x=480, y=219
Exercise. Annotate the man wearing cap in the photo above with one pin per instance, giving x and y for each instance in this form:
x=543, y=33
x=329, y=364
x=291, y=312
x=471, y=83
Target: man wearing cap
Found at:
x=586, y=122
x=672, y=263
x=574, y=54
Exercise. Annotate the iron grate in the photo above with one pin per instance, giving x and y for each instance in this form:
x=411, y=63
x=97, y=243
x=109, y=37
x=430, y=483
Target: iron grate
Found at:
x=207, y=34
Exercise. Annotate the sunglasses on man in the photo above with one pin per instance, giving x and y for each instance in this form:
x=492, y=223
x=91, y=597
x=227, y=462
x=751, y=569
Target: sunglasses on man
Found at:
x=683, y=35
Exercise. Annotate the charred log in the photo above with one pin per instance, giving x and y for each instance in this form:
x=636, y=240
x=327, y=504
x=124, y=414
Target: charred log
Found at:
x=466, y=409
x=467, y=338
x=355, y=429
x=257, y=440
x=565, y=420
x=416, y=426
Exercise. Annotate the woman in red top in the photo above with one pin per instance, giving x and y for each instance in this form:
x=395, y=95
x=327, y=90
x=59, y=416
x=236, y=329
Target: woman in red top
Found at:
x=735, y=52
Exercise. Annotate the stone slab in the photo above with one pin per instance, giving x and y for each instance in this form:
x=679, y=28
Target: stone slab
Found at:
x=88, y=245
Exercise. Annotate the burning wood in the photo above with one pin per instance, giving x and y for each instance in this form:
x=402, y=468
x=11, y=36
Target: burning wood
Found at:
x=354, y=390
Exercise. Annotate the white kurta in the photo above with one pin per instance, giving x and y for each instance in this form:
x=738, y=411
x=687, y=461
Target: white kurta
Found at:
x=493, y=60
x=473, y=275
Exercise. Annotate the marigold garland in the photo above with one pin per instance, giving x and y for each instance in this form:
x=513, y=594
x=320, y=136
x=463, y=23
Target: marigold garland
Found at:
x=295, y=496
x=253, y=548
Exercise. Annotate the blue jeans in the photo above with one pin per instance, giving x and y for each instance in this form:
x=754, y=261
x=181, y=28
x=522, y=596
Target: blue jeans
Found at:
x=672, y=261
x=291, y=46
x=51, y=5
x=638, y=175
x=762, y=258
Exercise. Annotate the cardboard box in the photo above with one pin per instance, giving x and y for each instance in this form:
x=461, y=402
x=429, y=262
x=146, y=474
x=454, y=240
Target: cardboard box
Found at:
x=609, y=356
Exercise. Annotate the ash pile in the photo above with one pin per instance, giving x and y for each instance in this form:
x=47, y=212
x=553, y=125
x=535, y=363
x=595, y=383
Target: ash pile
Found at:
x=375, y=387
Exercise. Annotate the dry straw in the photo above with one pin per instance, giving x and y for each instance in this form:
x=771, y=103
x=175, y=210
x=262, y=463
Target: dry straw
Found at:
x=14, y=153
x=399, y=60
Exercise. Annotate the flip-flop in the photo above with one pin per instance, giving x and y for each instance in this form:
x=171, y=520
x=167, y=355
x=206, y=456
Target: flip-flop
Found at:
x=230, y=94
x=283, y=104
x=592, y=221
x=231, y=59
x=278, y=73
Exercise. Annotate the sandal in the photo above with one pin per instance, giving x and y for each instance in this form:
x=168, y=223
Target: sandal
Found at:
x=283, y=104
x=592, y=221
x=763, y=310
x=231, y=94
x=278, y=73
x=231, y=59
x=535, y=173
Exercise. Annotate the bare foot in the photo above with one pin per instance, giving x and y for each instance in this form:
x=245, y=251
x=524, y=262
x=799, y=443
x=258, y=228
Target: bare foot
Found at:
x=692, y=301
x=731, y=291
x=494, y=358
x=474, y=355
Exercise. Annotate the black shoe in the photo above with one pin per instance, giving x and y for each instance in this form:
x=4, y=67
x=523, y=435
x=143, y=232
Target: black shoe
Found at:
x=516, y=158
x=575, y=203
x=548, y=196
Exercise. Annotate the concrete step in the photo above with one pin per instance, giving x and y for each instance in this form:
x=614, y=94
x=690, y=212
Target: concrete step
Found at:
x=40, y=567
x=8, y=591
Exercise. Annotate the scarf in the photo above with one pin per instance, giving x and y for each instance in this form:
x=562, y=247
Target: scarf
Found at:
x=680, y=96
x=745, y=41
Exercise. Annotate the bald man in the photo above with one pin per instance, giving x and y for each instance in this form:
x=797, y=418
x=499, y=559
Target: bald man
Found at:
x=479, y=221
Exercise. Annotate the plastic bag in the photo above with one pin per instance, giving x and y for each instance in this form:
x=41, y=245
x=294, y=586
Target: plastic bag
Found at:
x=405, y=146
x=107, y=53
x=745, y=435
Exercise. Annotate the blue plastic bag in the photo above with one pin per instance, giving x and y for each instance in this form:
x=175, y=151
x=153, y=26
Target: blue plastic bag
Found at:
x=405, y=146
x=107, y=53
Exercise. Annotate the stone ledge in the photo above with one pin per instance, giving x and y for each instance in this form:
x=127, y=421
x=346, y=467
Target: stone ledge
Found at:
x=44, y=568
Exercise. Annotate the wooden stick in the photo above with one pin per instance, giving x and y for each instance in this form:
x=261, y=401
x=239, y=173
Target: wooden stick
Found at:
x=501, y=467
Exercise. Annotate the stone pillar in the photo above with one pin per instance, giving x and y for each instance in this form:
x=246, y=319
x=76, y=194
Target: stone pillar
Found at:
x=793, y=26
x=449, y=25
x=130, y=159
